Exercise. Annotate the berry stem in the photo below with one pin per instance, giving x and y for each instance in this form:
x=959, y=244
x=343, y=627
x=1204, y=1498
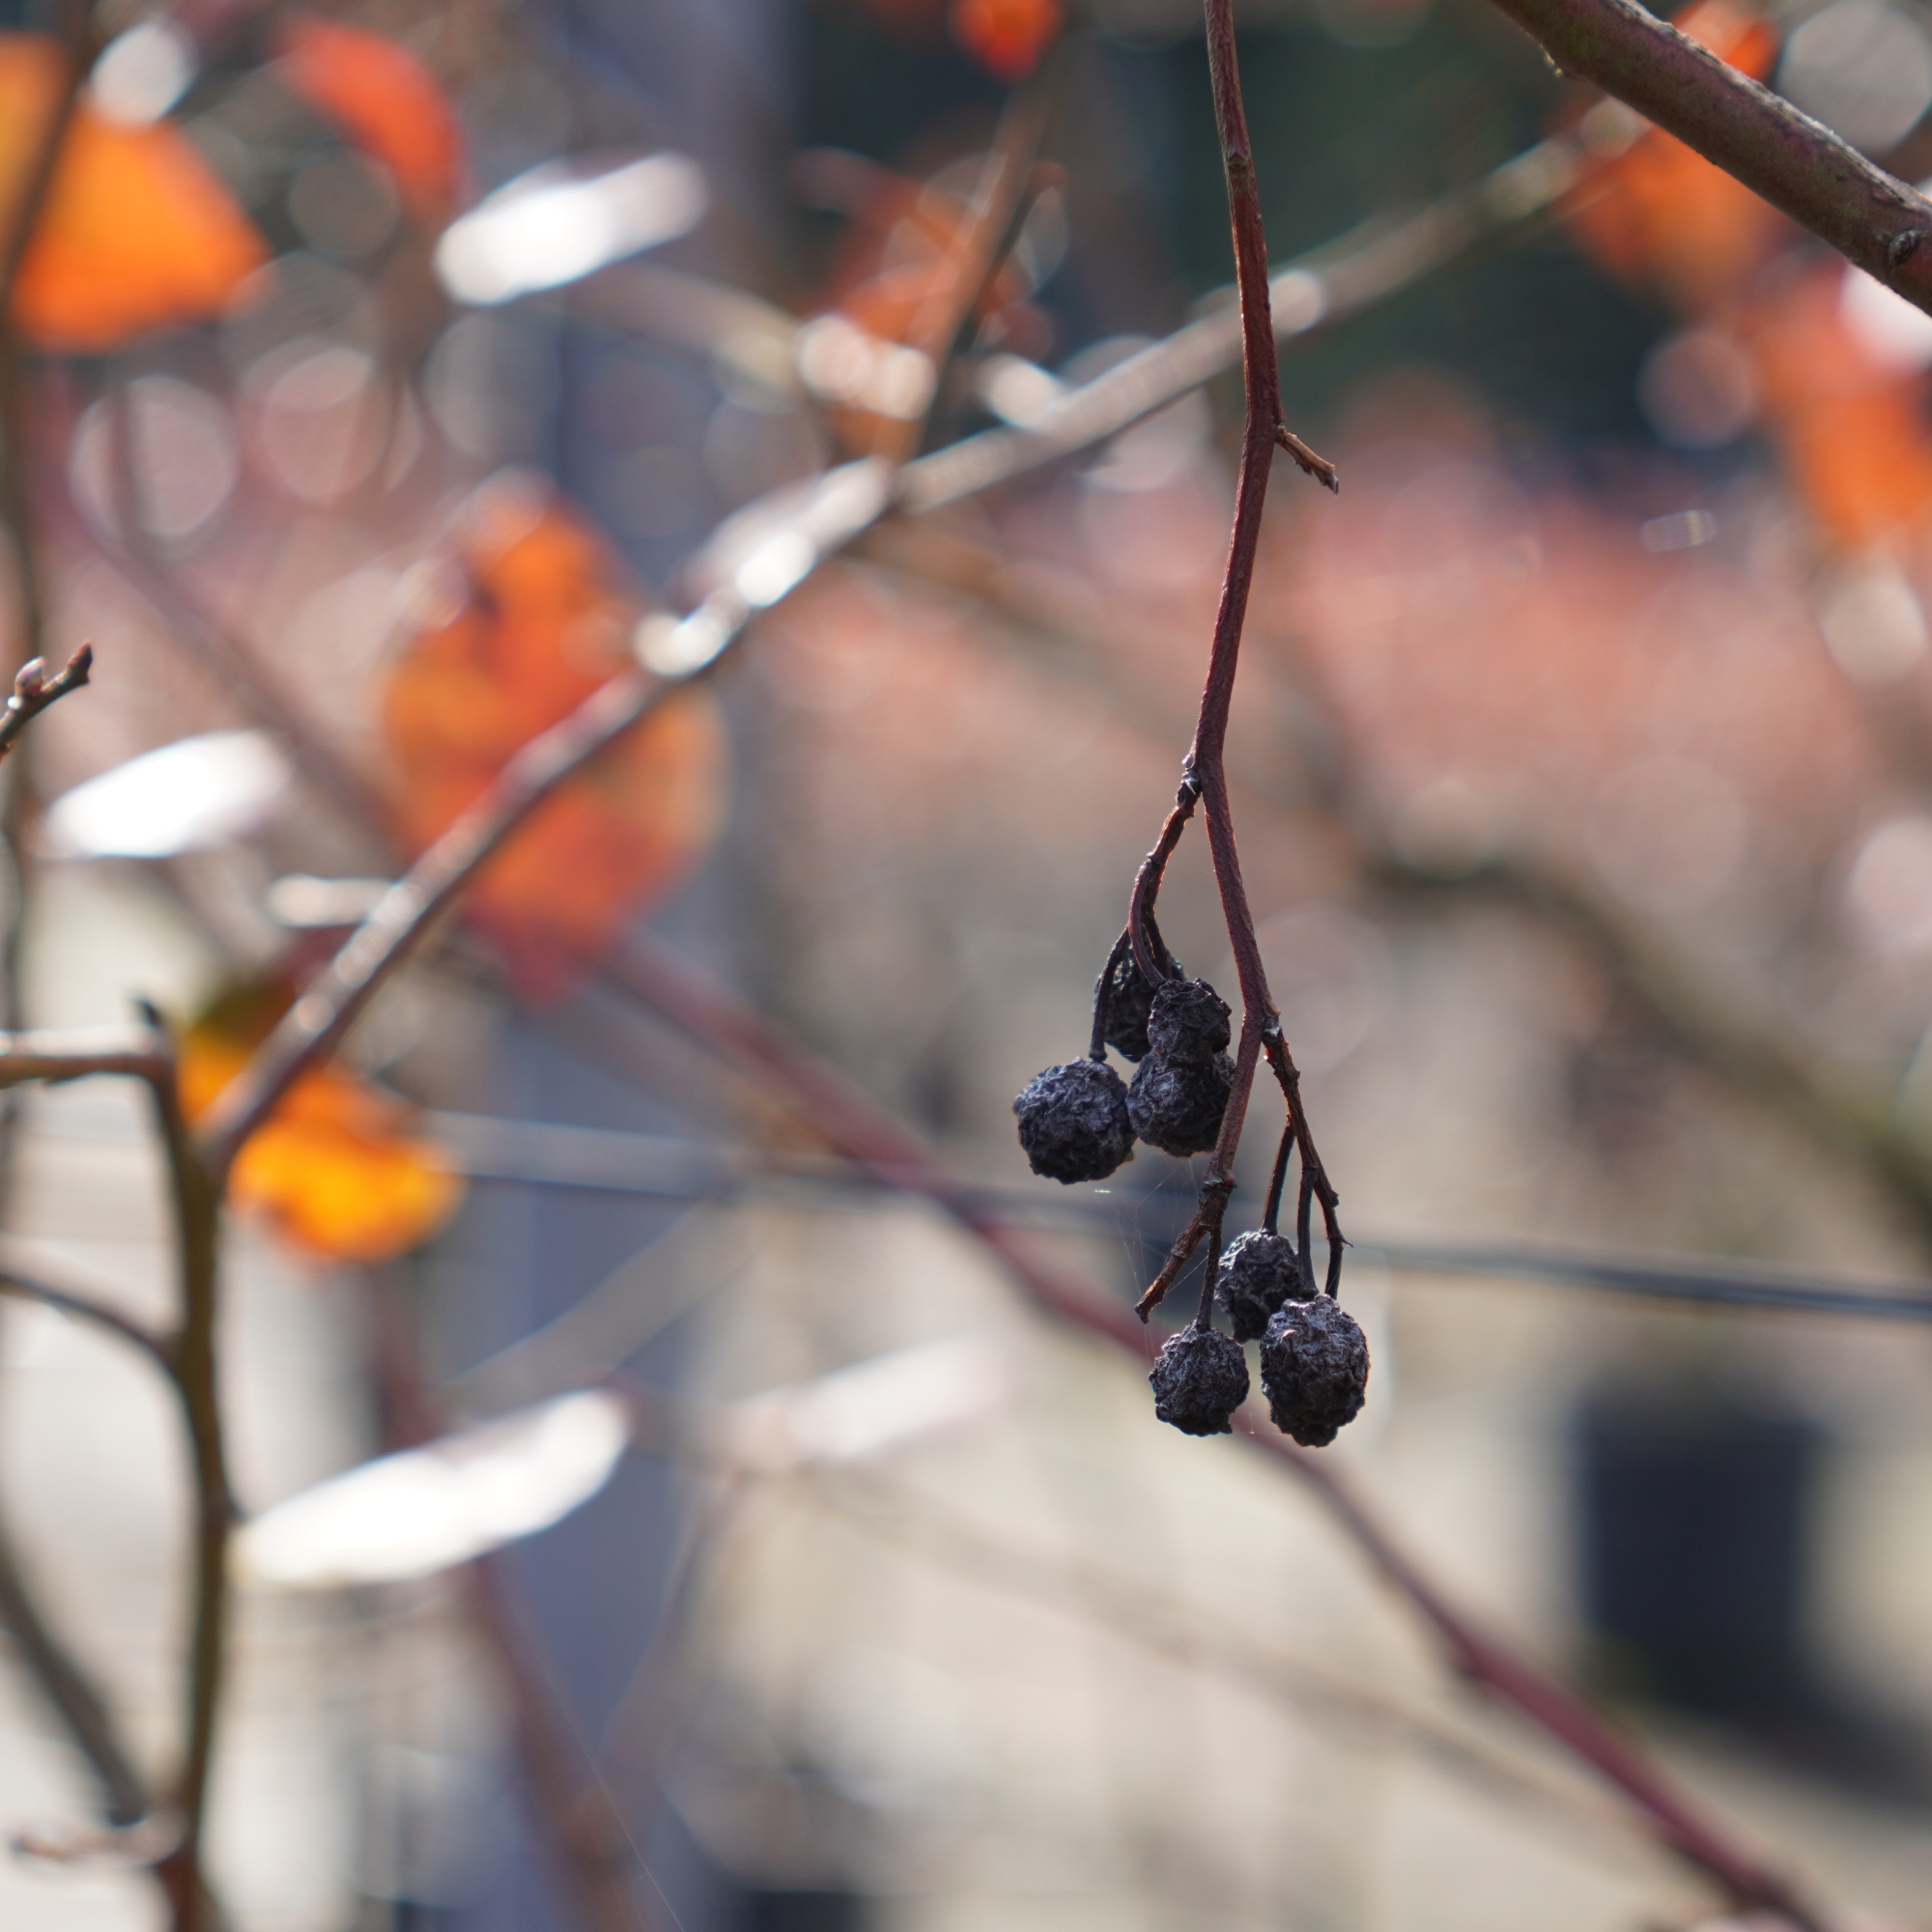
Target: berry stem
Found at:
x=1211, y=1273
x=1097, y=1044
x=1271, y=1209
x=1151, y=953
x=1205, y=771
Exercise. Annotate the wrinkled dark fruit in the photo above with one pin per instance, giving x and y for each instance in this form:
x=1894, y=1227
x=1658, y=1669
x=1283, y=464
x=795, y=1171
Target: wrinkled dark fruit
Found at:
x=1200, y=1379
x=1073, y=1121
x=1129, y=994
x=1188, y=1020
x=1177, y=1105
x=1257, y=1273
x=1315, y=1365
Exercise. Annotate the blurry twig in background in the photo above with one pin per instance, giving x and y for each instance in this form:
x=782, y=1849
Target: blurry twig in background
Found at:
x=572, y=1807
x=23, y=1286
x=669, y=984
x=946, y=320
x=1328, y=285
x=1187, y=1635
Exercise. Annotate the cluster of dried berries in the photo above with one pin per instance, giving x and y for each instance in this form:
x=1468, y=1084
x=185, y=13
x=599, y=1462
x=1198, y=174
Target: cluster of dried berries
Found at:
x=1079, y=1120
x=1315, y=1360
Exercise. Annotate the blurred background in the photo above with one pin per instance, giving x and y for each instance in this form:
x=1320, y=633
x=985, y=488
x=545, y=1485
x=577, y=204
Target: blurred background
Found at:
x=372, y=381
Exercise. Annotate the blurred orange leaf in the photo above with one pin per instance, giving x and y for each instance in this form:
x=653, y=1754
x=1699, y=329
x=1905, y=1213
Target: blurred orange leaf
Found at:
x=135, y=232
x=543, y=623
x=387, y=102
x=333, y=1169
x=1006, y=37
x=1660, y=215
x=1851, y=429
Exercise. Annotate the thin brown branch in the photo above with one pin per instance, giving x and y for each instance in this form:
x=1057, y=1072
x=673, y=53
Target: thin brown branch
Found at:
x=195, y=1197
x=1802, y=168
x=34, y=691
x=58, y=1056
x=1184, y=1633
x=190, y=1362
x=1150, y=955
x=67, y=1688
x=21, y=1286
x=1749, y=1884
x=941, y=327
x=646, y=971
x=1206, y=762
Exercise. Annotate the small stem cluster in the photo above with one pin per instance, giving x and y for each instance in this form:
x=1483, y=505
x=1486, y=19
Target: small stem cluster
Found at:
x=1077, y=1122
x=1203, y=783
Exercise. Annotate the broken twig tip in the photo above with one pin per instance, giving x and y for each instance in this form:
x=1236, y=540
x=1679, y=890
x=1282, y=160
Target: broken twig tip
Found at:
x=1312, y=462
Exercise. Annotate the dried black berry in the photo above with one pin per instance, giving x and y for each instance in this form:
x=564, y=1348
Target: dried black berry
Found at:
x=1315, y=1365
x=1200, y=1379
x=1177, y=1105
x=1073, y=1121
x=1188, y=1020
x=1257, y=1273
x=1127, y=993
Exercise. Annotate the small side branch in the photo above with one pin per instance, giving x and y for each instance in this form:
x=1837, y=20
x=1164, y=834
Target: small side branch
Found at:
x=1153, y=957
x=34, y=691
x=67, y=1687
x=24, y=1286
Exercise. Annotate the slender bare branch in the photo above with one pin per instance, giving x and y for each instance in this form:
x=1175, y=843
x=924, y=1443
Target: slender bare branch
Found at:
x=195, y=1194
x=79, y=1053
x=1799, y=167
x=1205, y=767
x=23, y=1286
x=81, y=1708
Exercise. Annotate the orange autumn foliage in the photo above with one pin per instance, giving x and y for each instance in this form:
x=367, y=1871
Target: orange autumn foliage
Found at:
x=1659, y=215
x=542, y=625
x=1006, y=37
x=333, y=1169
x=135, y=233
x=1851, y=429
x=387, y=102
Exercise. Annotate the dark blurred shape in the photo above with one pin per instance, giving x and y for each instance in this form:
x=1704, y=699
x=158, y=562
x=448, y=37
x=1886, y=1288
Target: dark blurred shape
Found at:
x=790, y=1911
x=1694, y=1550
